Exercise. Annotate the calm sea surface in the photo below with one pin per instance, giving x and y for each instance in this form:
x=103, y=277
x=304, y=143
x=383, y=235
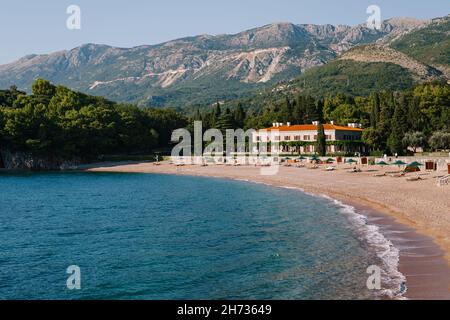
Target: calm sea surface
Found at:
x=138, y=236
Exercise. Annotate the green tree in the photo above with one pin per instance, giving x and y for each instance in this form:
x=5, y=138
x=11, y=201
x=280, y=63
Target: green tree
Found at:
x=414, y=140
x=374, y=109
x=321, y=144
x=440, y=140
x=43, y=91
x=226, y=121
x=398, y=129
x=239, y=116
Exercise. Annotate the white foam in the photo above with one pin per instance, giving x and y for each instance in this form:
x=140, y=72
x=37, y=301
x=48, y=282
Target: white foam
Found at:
x=392, y=278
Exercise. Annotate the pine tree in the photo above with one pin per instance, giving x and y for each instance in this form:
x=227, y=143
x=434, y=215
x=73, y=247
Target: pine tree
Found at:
x=286, y=111
x=319, y=110
x=299, y=110
x=374, y=109
x=216, y=114
x=239, y=116
x=226, y=121
x=399, y=126
x=311, y=110
x=321, y=144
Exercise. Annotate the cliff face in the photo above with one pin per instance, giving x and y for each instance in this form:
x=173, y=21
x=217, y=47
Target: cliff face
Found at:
x=25, y=161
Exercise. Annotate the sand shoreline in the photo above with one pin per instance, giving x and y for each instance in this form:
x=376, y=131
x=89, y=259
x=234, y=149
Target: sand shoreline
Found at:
x=418, y=211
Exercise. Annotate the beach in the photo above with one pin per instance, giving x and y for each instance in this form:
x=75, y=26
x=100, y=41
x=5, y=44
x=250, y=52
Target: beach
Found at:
x=413, y=215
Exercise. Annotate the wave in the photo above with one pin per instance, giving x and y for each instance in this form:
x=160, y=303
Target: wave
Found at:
x=393, y=281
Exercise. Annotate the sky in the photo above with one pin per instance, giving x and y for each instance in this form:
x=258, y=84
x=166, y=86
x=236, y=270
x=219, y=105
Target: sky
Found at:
x=38, y=27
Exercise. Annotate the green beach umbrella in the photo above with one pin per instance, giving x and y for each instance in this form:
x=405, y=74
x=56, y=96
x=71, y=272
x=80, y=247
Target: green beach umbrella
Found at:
x=399, y=163
x=351, y=161
x=330, y=160
x=382, y=163
x=415, y=164
x=314, y=158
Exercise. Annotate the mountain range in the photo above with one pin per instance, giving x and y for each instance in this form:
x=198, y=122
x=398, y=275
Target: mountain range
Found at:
x=203, y=69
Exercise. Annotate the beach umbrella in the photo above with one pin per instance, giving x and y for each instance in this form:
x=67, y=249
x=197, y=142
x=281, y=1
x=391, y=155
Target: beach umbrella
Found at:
x=399, y=163
x=415, y=164
x=351, y=161
x=382, y=163
x=314, y=158
x=330, y=160
x=301, y=158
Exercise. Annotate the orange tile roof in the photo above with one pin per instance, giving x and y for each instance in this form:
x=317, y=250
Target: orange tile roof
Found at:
x=312, y=127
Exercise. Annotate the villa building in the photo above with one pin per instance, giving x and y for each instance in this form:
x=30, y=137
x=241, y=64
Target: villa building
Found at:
x=302, y=138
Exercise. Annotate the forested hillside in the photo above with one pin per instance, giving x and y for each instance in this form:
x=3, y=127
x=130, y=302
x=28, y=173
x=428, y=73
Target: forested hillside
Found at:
x=393, y=120
x=55, y=122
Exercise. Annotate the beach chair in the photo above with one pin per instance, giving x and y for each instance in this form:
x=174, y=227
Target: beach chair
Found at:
x=378, y=175
x=443, y=180
x=397, y=175
x=416, y=178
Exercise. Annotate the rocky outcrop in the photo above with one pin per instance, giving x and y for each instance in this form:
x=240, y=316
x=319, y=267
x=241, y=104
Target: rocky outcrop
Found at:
x=26, y=161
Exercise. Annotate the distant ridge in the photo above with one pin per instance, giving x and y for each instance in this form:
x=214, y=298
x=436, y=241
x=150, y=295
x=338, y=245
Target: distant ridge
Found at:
x=203, y=69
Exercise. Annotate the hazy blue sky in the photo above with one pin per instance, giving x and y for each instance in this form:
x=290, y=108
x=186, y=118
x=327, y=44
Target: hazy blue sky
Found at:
x=40, y=26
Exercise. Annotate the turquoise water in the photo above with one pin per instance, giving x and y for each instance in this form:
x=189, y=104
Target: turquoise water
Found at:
x=137, y=236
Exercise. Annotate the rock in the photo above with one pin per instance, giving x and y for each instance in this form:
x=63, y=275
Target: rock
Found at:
x=27, y=161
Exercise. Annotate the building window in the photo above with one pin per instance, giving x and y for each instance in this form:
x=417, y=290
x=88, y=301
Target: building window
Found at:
x=306, y=138
x=287, y=138
x=297, y=138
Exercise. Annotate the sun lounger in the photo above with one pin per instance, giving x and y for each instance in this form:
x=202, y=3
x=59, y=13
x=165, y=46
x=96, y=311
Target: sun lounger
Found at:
x=397, y=175
x=414, y=178
x=379, y=175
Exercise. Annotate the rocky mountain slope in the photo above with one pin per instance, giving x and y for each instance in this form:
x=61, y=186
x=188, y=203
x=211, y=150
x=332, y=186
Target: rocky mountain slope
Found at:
x=395, y=62
x=201, y=69
x=385, y=54
x=429, y=44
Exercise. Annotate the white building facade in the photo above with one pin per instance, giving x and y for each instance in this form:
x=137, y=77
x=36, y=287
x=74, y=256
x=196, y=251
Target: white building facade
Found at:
x=302, y=138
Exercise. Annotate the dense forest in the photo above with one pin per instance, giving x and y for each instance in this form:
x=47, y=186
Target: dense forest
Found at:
x=394, y=121
x=56, y=122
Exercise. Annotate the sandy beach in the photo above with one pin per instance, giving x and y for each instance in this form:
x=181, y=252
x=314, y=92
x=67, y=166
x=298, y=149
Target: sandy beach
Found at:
x=414, y=215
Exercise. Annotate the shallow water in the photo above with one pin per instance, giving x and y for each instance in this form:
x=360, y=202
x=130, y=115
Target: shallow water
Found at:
x=141, y=236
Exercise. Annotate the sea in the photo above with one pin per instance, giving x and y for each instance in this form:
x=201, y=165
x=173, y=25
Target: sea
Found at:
x=123, y=236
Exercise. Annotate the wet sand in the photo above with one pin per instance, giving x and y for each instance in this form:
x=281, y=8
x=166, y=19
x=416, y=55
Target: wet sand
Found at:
x=414, y=216
x=422, y=261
